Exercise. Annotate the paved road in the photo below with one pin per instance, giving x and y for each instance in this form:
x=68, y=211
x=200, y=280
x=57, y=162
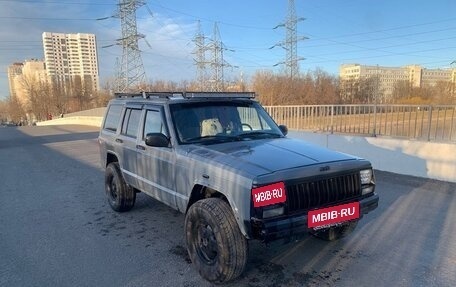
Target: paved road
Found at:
x=56, y=229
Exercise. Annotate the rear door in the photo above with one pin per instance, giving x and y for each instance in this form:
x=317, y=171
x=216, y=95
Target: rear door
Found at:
x=156, y=173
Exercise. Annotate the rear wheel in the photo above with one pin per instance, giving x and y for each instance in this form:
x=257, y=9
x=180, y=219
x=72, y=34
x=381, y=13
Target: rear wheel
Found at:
x=121, y=196
x=336, y=232
x=215, y=244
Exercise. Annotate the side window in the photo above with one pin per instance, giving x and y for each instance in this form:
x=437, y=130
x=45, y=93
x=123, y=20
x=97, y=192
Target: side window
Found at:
x=112, y=118
x=249, y=118
x=131, y=122
x=252, y=120
x=125, y=121
x=154, y=123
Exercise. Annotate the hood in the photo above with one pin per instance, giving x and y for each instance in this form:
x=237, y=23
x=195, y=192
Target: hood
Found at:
x=265, y=156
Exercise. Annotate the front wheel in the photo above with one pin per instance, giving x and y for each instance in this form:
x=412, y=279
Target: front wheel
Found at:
x=215, y=244
x=336, y=232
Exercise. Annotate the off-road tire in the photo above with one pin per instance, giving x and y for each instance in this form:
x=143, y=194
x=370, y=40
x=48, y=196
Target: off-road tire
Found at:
x=215, y=244
x=121, y=197
x=337, y=232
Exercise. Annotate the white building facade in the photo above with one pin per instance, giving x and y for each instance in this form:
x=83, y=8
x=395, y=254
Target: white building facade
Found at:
x=386, y=78
x=71, y=56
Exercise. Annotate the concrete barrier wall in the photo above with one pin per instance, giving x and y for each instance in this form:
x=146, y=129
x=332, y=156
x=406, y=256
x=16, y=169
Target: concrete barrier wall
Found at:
x=424, y=159
x=80, y=120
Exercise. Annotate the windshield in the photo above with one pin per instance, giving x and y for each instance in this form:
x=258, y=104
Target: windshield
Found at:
x=216, y=122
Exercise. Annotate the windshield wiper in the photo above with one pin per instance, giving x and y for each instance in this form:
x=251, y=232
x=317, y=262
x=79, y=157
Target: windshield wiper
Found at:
x=259, y=134
x=211, y=139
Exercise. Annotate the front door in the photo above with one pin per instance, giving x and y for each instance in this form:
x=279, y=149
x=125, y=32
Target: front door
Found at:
x=156, y=173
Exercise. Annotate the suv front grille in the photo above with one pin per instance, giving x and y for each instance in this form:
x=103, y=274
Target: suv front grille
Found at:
x=312, y=194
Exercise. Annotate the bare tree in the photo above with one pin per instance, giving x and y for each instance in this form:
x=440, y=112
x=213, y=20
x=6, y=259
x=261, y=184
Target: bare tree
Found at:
x=3, y=111
x=15, y=111
x=265, y=84
x=37, y=104
x=442, y=93
x=402, y=90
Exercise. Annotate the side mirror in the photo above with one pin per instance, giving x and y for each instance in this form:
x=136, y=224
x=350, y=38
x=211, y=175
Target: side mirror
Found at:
x=283, y=129
x=157, y=140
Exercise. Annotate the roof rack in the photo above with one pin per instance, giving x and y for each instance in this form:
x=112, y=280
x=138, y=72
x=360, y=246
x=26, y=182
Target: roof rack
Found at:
x=187, y=95
x=249, y=95
x=147, y=95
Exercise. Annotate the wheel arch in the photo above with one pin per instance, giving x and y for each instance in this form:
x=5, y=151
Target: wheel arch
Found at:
x=111, y=157
x=201, y=191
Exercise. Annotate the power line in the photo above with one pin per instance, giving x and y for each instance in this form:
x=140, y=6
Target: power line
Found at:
x=401, y=36
x=392, y=29
x=211, y=20
x=61, y=2
x=47, y=18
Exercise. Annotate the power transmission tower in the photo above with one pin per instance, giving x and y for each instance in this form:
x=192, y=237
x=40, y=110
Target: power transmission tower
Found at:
x=131, y=75
x=217, y=64
x=200, y=58
x=291, y=42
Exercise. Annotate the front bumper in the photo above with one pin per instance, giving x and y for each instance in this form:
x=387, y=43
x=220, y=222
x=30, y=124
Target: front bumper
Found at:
x=276, y=228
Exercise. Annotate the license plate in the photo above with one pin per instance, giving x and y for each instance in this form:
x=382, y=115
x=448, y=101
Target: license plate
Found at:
x=269, y=194
x=332, y=215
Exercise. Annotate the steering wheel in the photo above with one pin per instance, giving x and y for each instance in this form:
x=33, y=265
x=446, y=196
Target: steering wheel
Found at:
x=247, y=125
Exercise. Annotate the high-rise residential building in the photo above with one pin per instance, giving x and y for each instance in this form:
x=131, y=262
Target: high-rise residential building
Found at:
x=384, y=79
x=14, y=70
x=22, y=76
x=70, y=57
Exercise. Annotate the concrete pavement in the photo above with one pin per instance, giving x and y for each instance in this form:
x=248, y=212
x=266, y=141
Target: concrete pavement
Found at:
x=58, y=230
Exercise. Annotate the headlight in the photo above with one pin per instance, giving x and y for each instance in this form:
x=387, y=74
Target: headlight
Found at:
x=367, y=181
x=366, y=176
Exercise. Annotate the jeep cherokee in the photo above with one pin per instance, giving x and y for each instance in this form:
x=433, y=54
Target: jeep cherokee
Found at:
x=222, y=160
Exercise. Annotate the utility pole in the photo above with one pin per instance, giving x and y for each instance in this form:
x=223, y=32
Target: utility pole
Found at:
x=131, y=75
x=290, y=44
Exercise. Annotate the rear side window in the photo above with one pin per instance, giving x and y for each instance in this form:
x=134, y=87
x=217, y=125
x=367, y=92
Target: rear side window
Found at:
x=112, y=118
x=131, y=122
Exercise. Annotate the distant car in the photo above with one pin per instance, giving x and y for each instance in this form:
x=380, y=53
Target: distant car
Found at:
x=8, y=124
x=223, y=161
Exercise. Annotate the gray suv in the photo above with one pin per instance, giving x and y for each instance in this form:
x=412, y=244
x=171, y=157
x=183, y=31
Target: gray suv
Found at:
x=222, y=160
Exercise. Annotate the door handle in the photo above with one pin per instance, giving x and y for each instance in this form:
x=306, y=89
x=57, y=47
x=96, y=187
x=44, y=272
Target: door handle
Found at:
x=140, y=147
x=119, y=141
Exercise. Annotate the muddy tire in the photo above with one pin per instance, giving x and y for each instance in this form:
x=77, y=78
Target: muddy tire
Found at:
x=121, y=197
x=337, y=232
x=215, y=244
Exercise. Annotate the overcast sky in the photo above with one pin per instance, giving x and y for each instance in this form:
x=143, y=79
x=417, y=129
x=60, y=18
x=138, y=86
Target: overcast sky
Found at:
x=386, y=32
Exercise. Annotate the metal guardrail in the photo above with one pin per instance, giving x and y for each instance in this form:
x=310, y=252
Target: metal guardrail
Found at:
x=421, y=122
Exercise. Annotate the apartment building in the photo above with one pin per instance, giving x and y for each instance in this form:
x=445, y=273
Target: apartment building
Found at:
x=14, y=70
x=386, y=78
x=72, y=57
x=20, y=75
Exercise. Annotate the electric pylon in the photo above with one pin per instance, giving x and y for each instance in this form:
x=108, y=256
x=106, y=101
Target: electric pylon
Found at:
x=291, y=42
x=217, y=63
x=200, y=58
x=131, y=75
